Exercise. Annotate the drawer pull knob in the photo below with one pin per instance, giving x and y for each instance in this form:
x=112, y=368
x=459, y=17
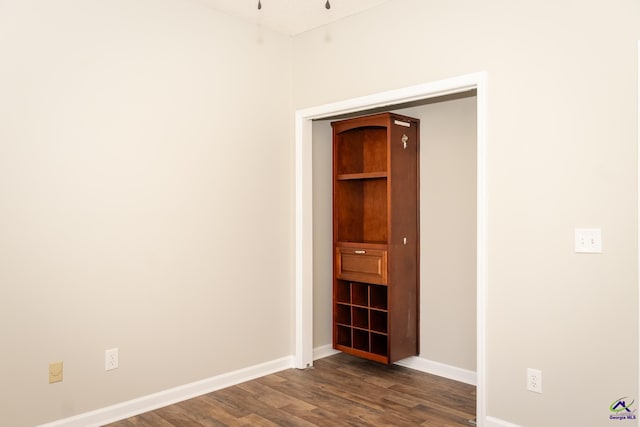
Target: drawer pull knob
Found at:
x=360, y=252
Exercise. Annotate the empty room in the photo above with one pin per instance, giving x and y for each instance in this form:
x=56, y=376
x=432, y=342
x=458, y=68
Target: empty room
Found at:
x=167, y=207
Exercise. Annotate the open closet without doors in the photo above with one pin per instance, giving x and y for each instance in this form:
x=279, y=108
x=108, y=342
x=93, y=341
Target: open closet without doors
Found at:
x=304, y=206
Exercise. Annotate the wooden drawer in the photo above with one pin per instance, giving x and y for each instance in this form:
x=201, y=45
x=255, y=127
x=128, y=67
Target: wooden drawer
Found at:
x=361, y=265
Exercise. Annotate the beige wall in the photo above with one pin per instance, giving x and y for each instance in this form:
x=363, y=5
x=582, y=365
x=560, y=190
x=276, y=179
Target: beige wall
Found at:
x=448, y=230
x=562, y=108
x=145, y=200
x=322, y=233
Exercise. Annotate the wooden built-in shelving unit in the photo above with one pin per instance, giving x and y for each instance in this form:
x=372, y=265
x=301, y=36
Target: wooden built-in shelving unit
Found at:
x=376, y=236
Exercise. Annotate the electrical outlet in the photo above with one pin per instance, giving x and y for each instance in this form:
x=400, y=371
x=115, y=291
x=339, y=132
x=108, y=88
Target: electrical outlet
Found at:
x=534, y=380
x=55, y=372
x=110, y=359
x=588, y=240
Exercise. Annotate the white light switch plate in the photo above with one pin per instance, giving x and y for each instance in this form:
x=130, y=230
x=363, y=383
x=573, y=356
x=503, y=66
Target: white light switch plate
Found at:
x=588, y=240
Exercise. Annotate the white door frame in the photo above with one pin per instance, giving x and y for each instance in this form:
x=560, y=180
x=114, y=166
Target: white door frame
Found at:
x=638, y=207
x=303, y=356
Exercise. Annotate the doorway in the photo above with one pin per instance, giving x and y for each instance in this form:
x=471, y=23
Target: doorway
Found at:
x=303, y=356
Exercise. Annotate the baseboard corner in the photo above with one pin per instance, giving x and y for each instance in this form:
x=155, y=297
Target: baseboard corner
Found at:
x=324, y=351
x=441, y=369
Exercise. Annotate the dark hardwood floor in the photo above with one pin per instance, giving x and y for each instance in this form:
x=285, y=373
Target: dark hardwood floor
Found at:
x=340, y=390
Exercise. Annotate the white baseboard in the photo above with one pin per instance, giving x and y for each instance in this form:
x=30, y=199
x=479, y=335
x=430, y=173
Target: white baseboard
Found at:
x=495, y=422
x=440, y=369
x=324, y=351
x=143, y=404
x=150, y=402
x=417, y=363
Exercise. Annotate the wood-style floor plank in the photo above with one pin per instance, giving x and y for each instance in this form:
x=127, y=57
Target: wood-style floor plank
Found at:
x=340, y=390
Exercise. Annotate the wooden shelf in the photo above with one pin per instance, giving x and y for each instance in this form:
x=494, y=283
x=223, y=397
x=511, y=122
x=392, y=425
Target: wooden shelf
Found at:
x=375, y=237
x=362, y=175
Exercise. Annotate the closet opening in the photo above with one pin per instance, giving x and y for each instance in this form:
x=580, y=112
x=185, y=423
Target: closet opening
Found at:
x=309, y=123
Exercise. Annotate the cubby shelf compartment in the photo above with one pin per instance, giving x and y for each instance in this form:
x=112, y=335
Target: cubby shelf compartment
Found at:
x=378, y=321
x=360, y=316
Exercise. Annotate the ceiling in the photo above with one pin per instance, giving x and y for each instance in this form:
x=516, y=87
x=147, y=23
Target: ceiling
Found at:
x=291, y=16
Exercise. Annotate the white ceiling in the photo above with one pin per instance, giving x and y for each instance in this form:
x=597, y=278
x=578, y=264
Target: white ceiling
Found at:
x=291, y=16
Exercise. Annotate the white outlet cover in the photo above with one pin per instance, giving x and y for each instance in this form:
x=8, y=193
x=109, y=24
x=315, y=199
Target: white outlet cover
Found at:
x=588, y=240
x=111, y=359
x=534, y=380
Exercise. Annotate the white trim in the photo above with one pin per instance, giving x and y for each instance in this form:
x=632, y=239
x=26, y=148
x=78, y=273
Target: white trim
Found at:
x=440, y=369
x=482, y=280
x=495, y=422
x=303, y=356
x=392, y=97
x=304, y=208
x=150, y=402
x=324, y=351
x=638, y=207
